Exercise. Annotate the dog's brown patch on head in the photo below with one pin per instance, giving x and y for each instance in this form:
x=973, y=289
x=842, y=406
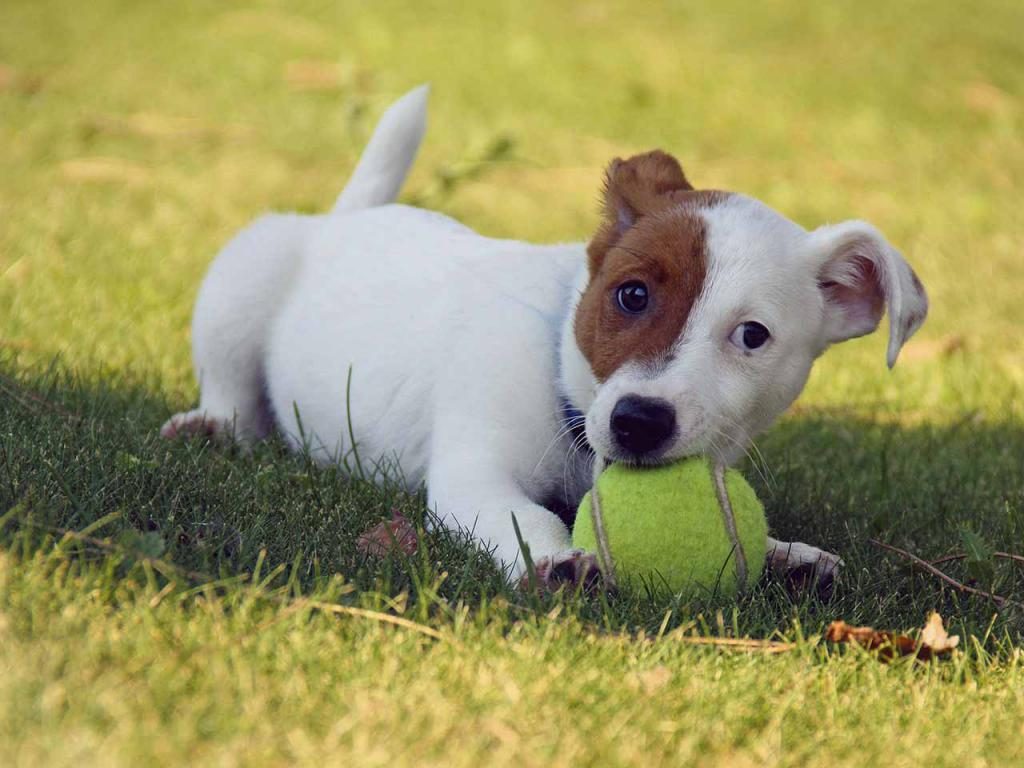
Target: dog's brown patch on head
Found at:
x=653, y=233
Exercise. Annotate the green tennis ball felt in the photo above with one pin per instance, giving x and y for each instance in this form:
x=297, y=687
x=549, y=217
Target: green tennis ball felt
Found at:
x=666, y=523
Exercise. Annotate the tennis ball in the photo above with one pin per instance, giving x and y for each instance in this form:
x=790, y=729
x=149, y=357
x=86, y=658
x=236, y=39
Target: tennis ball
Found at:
x=665, y=523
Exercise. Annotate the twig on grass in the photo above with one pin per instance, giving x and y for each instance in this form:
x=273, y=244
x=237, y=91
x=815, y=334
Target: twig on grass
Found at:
x=924, y=565
x=740, y=643
x=963, y=556
x=366, y=613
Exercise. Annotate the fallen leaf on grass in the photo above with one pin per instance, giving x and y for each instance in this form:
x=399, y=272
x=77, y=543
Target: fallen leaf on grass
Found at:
x=932, y=641
x=935, y=636
x=394, y=535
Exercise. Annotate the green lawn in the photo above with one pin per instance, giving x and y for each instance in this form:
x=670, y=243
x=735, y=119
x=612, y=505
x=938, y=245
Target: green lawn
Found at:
x=193, y=617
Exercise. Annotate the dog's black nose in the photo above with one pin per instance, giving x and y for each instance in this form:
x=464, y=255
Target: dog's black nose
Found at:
x=642, y=424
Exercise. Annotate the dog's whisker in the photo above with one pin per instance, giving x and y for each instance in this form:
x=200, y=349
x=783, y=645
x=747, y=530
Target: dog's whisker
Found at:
x=570, y=461
x=757, y=458
x=735, y=442
x=567, y=428
x=759, y=466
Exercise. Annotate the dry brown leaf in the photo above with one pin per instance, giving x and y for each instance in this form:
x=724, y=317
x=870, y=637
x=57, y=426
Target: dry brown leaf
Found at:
x=935, y=636
x=389, y=536
x=887, y=644
x=932, y=641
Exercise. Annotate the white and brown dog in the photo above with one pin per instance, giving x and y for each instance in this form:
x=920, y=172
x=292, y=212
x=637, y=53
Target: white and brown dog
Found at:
x=492, y=369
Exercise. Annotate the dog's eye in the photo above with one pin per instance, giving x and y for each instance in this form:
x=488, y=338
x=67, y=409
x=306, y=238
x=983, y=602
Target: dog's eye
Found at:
x=750, y=335
x=632, y=297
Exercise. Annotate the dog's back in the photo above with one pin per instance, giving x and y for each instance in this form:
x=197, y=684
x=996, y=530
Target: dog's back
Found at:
x=416, y=305
x=355, y=327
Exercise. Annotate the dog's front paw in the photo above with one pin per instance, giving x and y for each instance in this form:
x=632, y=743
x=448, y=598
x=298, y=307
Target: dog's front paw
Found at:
x=574, y=569
x=804, y=567
x=192, y=424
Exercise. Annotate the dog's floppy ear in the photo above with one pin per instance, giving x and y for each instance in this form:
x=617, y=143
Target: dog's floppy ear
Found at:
x=861, y=275
x=633, y=188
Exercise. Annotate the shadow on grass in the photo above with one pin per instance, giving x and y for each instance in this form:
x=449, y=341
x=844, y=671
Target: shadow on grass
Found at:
x=73, y=452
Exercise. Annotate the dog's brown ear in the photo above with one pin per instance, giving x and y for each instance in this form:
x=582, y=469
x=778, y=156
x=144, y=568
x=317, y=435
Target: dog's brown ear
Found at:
x=634, y=188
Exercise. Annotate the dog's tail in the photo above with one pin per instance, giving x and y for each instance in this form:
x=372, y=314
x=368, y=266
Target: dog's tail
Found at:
x=387, y=158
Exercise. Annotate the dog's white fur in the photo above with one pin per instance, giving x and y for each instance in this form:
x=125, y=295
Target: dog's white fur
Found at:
x=461, y=347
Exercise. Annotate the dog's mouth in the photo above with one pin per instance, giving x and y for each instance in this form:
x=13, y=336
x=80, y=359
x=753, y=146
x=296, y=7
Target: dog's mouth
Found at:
x=638, y=460
x=667, y=455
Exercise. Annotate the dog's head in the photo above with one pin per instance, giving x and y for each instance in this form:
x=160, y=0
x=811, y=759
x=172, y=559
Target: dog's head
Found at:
x=704, y=311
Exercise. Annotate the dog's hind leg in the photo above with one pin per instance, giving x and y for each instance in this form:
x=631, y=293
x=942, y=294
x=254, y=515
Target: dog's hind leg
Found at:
x=237, y=303
x=244, y=287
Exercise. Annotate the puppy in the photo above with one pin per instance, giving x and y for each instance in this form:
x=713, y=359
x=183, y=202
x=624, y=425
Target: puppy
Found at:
x=494, y=370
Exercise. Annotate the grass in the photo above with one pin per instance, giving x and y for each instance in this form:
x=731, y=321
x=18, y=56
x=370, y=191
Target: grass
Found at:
x=138, y=137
